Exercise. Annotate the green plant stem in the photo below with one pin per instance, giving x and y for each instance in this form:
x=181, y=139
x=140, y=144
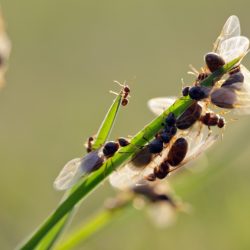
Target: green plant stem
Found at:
x=90, y=183
x=49, y=240
x=93, y=225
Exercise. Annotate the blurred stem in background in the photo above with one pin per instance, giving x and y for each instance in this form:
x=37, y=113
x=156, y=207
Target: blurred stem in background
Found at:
x=92, y=226
x=87, y=185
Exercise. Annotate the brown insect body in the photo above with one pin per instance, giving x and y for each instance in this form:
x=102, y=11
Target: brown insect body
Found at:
x=142, y=158
x=162, y=170
x=125, y=93
x=89, y=143
x=189, y=117
x=202, y=76
x=236, y=77
x=110, y=148
x=123, y=142
x=177, y=152
x=175, y=156
x=224, y=97
x=221, y=123
x=212, y=119
x=214, y=61
x=124, y=102
x=92, y=162
x=235, y=69
x=152, y=195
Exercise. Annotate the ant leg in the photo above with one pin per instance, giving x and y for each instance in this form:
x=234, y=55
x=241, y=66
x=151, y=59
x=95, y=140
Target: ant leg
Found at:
x=113, y=92
x=121, y=85
x=222, y=134
x=209, y=134
x=199, y=128
x=193, y=70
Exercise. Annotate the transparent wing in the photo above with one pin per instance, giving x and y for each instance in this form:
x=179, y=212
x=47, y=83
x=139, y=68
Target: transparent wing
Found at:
x=5, y=47
x=125, y=178
x=159, y=104
x=233, y=47
x=130, y=175
x=242, y=105
x=162, y=214
x=76, y=168
x=230, y=29
x=246, y=83
x=235, y=96
x=69, y=175
x=198, y=145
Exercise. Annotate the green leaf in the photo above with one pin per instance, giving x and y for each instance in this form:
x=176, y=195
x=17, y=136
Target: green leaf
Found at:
x=101, y=137
x=107, y=124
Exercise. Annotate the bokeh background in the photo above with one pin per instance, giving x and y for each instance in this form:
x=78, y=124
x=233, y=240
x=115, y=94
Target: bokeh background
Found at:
x=65, y=56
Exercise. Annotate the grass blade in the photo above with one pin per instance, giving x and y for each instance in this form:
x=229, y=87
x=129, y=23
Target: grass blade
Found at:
x=48, y=241
x=101, y=137
x=107, y=124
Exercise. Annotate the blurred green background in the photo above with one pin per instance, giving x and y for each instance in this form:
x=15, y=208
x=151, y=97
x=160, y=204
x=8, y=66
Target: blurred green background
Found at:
x=64, y=58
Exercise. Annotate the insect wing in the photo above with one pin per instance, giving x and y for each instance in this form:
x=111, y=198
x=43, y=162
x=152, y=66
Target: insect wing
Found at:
x=129, y=175
x=5, y=47
x=69, y=175
x=76, y=168
x=132, y=174
x=159, y=104
x=233, y=47
x=162, y=214
x=230, y=29
x=242, y=104
x=124, y=178
x=198, y=145
x=246, y=83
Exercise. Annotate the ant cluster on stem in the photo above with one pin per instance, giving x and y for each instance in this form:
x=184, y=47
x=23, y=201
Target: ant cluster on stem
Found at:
x=184, y=137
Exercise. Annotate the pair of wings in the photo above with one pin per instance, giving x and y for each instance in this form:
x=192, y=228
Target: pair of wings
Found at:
x=230, y=44
x=130, y=175
x=242, y=104
x=75, y=169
